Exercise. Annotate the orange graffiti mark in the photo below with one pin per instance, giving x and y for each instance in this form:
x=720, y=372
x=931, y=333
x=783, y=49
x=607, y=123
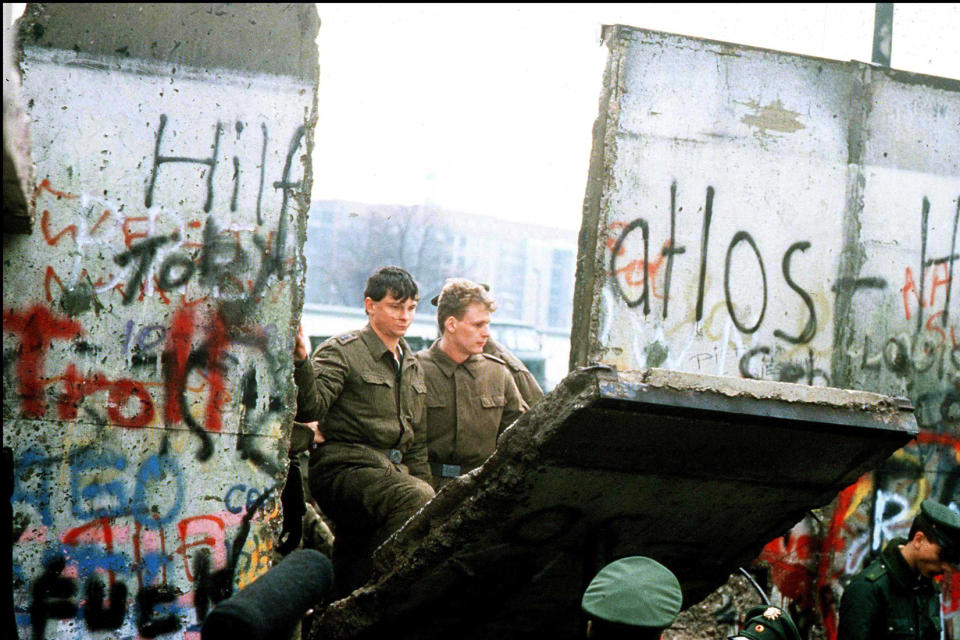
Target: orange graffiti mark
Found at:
x=932, y=325
x=103, y=216
x=51, y=275
x=160, y=291
x=633, y=271
x=128, y=235
x=45, y=228
x=910, y=287
x=942, y=439
x=46, y=186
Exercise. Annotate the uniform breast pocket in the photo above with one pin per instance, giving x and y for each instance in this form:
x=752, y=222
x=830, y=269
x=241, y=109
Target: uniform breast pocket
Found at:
x=417, y=400
x=378, y=389
x=493, y=401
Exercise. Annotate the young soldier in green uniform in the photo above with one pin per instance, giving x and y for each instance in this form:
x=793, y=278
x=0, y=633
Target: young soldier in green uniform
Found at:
x=894, y=597
x=634, y=597
x=366, y=391
x=471, y=396
x=526, y=382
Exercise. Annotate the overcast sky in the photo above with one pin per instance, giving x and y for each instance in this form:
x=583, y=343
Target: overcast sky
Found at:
x=488, y=108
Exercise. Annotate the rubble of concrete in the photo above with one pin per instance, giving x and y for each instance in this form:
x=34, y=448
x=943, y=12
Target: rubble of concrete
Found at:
x=690, y=470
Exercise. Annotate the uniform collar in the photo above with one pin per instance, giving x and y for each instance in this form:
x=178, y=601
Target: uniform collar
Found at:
x=446, y=364
x=376, y=346
x=900, y=571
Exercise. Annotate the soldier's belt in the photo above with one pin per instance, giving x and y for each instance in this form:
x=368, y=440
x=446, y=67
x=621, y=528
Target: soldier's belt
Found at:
x=395, y=455
x=444, y=470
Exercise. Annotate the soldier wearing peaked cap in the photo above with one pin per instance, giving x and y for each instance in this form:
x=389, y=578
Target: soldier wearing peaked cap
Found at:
x=634, y=597
x=471, y=397
x=767, y=622
x=894, y=597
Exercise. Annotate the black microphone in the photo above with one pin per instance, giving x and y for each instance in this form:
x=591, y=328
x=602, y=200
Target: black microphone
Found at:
x=272, y=605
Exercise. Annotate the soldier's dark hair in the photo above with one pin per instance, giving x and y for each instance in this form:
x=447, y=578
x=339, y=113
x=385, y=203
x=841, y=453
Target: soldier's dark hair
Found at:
x=922, y=523
x=393, y=280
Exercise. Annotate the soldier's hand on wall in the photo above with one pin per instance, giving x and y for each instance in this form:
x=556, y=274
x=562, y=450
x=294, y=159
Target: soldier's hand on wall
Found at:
x=315, y=427
x=301, y=349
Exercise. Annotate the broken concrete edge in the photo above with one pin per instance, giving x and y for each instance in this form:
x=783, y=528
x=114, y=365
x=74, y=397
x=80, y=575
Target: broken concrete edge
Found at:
x=252, y=38
x=629, y=33
x=886, y=409
x=421, y=546
x=603, y=155
x=19, y=200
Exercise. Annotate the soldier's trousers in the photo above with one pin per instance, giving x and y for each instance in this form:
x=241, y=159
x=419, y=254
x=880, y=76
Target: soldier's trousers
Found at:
x=366, y=504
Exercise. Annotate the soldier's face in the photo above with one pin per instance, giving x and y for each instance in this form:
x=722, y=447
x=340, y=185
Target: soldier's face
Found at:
x=390, y=317
x=928, y=560
x=470, y=333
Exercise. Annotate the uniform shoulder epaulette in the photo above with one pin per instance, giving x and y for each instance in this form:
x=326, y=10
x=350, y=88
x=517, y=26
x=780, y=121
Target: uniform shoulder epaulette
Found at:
x=875, y=571
x=347, y=338
x=490, y=356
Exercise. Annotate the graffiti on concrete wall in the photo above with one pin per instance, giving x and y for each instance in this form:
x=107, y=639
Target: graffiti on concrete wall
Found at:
x=914, y=351
x=147, y=345
x=826, y=253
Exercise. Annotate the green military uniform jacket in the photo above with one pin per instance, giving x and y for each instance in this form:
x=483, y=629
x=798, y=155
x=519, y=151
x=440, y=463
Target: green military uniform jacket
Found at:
x=887, y=600
x=525, y=381
x=365, y=407
x=468, y=407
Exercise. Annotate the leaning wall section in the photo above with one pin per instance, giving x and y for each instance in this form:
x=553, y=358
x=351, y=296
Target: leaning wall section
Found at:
x=758, y=214
x=148, y=320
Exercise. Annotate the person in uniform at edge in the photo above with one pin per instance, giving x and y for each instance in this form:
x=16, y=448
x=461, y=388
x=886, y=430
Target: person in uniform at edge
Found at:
x=471, y=395
x=894, y=597
x=634, y=597
x=366, y=391
x=526, y=382
x=767, y=622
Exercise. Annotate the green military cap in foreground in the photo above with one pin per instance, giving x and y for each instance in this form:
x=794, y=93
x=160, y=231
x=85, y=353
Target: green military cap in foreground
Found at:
x=768, y=623
x=635, y=591
x=946, y=524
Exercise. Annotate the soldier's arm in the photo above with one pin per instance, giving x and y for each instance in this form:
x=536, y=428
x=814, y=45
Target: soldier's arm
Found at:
x=860, y=612
x=305, y=378
x=416, y=456
x=515, y=406
x=527, y=384
x=327, y=374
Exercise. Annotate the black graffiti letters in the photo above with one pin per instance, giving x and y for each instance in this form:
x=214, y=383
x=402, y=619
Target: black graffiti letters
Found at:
x=150, y=621
x=810, y=328
x=737, y=238
x=97, y=616
x=671, y=249
x=644, y=297
x=159, y=159
x=52, y=597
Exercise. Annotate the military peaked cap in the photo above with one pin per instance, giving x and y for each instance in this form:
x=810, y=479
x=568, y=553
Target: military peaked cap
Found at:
x=945, y=523
x=635, y=591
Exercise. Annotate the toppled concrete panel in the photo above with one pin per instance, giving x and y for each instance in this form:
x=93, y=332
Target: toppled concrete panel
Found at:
x=690, y=470
x=148, y=321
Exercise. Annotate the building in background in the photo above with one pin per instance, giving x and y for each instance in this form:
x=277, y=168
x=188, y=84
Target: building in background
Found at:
x=530, y=269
